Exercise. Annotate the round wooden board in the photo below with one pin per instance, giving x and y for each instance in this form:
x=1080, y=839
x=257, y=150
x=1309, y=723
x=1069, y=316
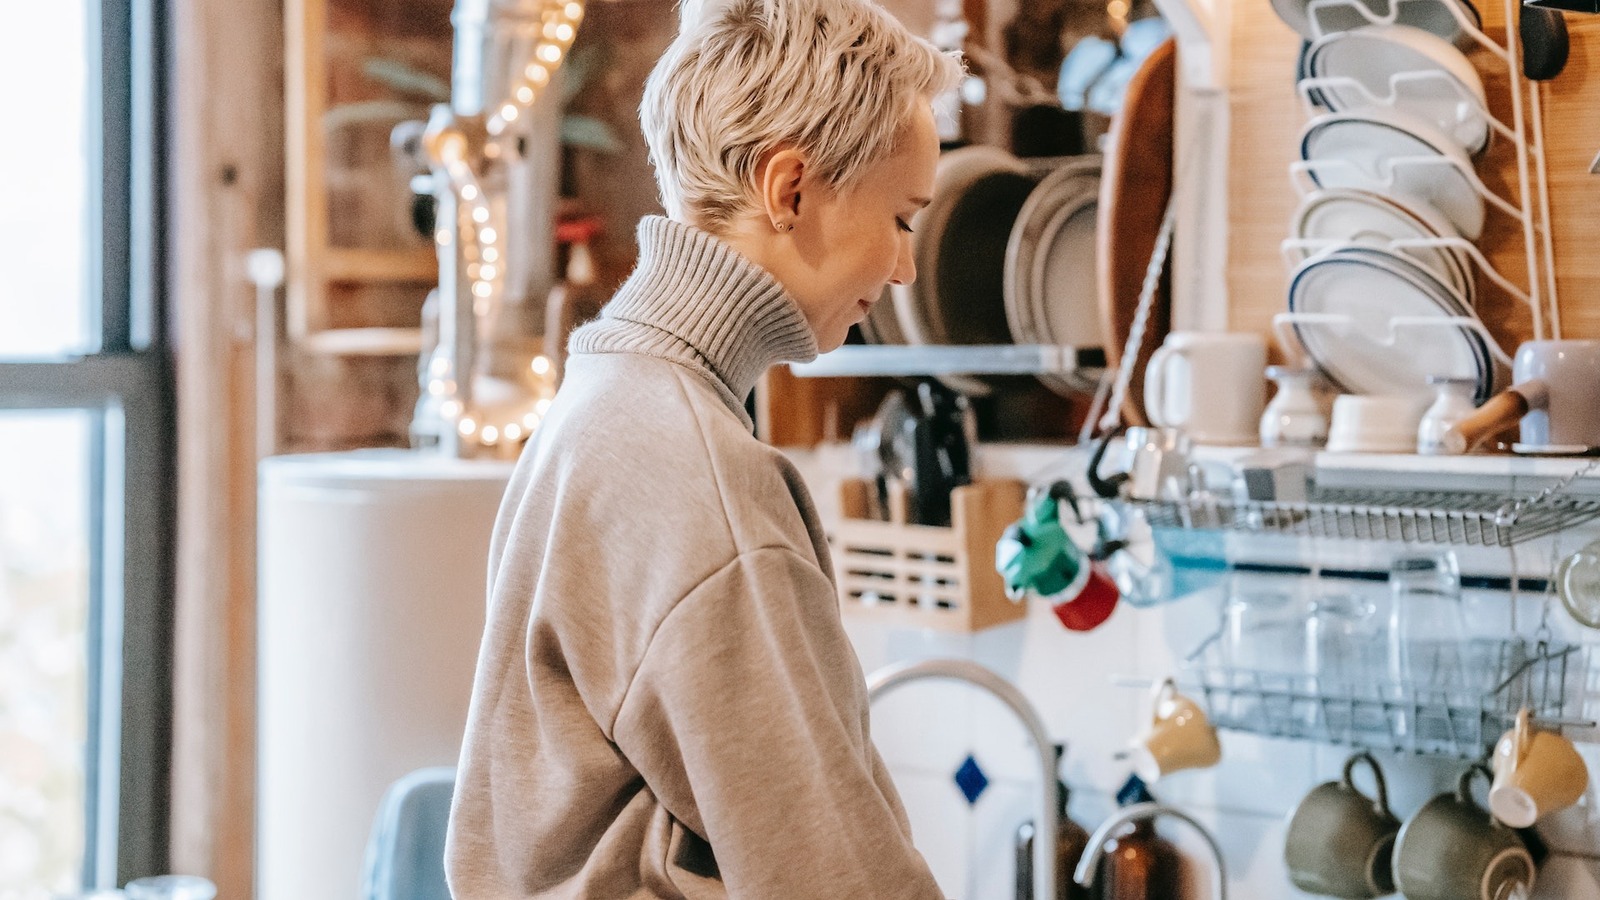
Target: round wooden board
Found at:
x=1135, y=183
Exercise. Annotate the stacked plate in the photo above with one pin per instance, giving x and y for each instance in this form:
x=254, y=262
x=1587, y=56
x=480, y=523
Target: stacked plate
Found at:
x=1005, y=255
x=1381, y=298
x=1049, y=284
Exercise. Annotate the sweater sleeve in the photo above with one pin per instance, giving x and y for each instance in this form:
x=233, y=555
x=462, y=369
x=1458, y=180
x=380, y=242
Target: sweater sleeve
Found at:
x=747, y=720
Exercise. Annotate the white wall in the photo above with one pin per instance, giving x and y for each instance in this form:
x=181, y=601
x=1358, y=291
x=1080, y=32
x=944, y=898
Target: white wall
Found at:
x=926, y=729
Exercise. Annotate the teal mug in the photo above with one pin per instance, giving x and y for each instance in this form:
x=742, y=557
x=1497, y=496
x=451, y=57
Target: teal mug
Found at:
x=1340, y=841
x=1453, y=849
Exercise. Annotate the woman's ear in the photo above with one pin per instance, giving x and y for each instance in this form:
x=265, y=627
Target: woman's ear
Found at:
x=779, y=182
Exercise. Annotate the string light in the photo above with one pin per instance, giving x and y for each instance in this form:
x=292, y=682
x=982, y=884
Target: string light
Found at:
x=478, y=239
x=560, y=22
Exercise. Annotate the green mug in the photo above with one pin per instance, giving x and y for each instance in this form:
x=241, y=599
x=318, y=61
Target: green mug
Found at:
x=1339, y=842
x=1453, y=849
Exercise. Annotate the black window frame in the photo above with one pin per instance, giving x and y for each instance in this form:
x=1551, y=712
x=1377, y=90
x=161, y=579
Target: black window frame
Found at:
x=127, y=382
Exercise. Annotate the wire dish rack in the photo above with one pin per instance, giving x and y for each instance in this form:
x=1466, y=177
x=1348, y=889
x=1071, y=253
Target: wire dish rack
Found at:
x=1457, y=701
x=1435, y=517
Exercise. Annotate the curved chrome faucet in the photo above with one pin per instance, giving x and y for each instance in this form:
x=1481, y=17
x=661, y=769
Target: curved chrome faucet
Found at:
x=1097, y=842
x=1044, y=839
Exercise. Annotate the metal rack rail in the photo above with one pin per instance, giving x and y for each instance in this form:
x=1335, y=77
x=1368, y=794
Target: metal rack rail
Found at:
x=1427, y=517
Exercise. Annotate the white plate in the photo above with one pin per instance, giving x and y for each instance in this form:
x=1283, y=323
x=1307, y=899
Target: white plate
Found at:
x=1432, y=16
x=1032, y=244
x=1346, y=215
x=1403, y=68
x=920, y=309
x=1357, y=150
x=1058, y=186
x=1064, y=287
x=1371, y=290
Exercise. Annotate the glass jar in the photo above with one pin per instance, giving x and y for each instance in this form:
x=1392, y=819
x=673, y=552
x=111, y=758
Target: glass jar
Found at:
x=1452, y=402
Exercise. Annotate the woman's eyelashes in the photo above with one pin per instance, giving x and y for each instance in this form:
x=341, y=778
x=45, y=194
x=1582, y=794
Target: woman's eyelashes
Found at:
x=903, y=226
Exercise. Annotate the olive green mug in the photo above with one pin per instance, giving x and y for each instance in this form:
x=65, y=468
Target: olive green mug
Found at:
x=1340, y=841
x=1453, y=849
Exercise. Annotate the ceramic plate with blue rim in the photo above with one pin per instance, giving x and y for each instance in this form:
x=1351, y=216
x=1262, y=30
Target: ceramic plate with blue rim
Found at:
x=1403, y=68
x=1440, y=17
x=1390, y=152
x=1348, y=216
x=1371, y=287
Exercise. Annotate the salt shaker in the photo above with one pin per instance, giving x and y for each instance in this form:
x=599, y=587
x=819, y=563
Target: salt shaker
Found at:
x=1452, y=403
x=1295, y=417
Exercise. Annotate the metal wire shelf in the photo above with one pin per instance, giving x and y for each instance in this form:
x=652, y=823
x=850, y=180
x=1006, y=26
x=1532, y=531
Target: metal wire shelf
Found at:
x=1437, y=517
x=1461, y=715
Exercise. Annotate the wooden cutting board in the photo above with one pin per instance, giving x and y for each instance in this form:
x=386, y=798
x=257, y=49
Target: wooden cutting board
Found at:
x=1135, y=183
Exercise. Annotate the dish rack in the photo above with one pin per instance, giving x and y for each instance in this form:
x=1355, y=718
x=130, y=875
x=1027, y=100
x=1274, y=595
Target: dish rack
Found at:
x=926, y=576
x=1423, y=517
x=1525, y=132
x=1461, y=716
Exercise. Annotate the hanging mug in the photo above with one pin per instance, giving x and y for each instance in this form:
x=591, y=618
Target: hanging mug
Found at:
x=1178, y=737
x=1453, y=849
x=1535, y=773
x=1340, y=841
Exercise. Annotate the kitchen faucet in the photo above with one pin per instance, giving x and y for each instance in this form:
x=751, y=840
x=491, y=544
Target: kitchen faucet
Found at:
x=1044, y=841
x=1097, y=842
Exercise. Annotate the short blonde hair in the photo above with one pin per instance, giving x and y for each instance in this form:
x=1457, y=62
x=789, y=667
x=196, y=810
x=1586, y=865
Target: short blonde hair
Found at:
x=836, y=79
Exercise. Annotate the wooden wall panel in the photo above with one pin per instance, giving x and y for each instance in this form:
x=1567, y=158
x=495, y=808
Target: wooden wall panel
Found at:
x=1265, y=119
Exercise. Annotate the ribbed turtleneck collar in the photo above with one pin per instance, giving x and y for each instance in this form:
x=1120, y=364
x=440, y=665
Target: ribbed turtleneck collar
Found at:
x=698, y=302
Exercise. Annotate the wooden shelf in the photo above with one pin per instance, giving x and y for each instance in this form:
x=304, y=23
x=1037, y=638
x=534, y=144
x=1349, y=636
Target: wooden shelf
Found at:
x=363, y=342
x=343, y=264
x=1000, y=359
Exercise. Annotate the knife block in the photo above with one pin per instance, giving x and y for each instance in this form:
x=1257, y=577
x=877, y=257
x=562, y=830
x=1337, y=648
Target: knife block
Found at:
x=926, y=576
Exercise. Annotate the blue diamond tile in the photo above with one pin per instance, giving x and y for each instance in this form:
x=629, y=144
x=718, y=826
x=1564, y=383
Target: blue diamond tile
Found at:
x=971, y=779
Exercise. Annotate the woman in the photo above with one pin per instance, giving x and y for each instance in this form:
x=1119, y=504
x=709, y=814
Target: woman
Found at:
x=666, y=704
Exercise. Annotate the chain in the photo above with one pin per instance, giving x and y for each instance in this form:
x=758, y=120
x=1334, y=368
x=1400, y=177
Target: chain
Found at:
x=1112, y=416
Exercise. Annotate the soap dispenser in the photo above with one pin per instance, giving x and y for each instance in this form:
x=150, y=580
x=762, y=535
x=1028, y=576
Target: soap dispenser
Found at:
x=1071, y=840
x=1138, y=864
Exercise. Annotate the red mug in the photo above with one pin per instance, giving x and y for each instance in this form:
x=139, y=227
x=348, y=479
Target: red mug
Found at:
x=1088, y=600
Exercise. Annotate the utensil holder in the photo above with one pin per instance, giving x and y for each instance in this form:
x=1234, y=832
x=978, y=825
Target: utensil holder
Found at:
x=926, y=576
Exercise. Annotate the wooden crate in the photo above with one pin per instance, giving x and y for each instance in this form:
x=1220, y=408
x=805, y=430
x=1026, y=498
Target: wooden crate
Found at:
x=922, y=575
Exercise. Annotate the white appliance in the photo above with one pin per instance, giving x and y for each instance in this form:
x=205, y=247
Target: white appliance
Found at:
x=370, y=611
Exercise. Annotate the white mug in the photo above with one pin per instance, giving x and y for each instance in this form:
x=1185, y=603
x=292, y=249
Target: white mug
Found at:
x=1210, y=384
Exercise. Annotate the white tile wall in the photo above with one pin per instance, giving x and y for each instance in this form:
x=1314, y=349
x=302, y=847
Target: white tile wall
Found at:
x=925, y=729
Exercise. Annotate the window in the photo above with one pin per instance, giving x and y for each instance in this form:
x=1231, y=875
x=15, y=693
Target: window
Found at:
x=85, y=453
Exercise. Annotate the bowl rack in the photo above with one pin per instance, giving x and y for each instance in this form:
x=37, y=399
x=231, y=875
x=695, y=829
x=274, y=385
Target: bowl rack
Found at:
x=1525, y=132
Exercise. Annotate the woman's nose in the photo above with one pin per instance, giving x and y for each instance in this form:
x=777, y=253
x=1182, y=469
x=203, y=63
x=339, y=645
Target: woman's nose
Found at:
x=905, y=267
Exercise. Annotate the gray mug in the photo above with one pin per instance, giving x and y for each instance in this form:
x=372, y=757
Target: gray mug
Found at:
x=1340, y=841
x=1452, y=849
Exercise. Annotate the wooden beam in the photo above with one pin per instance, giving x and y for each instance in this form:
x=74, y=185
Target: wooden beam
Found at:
x=225, y=181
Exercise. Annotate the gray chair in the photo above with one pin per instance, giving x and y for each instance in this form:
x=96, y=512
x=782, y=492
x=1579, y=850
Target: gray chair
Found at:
x=405, y=854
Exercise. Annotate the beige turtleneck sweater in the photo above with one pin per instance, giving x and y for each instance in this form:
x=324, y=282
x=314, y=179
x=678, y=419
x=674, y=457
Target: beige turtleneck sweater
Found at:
x=666, y=704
